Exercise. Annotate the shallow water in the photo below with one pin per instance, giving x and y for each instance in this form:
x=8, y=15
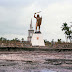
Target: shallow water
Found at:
x=27, y=71
x=35, y=61
x=21, y=66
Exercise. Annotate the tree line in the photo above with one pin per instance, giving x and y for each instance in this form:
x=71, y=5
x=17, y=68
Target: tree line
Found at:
x=5, y=40
x=67, y=31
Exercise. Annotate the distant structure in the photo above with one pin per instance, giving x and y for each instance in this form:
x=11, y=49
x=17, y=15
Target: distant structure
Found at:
x=30, y=32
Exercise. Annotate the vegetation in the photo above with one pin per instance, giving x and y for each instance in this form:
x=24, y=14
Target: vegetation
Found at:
x=22, y=40
x=4, y=40
x=67, y=31
x=59, y=40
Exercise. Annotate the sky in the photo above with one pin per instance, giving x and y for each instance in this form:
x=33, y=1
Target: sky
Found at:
x=16, y=15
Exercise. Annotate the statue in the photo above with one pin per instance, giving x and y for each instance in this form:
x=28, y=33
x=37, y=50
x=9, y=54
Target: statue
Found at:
x=38, y=21
x=37, y=39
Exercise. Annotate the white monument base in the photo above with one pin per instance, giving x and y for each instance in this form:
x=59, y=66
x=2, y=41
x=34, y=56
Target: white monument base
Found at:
x=37, y=40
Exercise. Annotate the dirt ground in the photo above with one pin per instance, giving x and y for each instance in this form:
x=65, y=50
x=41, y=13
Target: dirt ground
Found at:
x=36, y=61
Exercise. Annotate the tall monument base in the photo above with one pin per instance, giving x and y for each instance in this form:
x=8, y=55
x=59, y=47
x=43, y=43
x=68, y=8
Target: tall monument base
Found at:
x=37, y=39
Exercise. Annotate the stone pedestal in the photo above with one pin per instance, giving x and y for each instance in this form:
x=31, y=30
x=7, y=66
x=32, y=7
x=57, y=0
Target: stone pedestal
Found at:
x=37, y=40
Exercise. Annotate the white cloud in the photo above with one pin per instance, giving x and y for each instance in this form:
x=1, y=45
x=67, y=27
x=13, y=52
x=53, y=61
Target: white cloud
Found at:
x=54, y=15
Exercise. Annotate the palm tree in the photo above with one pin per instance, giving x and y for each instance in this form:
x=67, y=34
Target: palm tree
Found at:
x=67, y=30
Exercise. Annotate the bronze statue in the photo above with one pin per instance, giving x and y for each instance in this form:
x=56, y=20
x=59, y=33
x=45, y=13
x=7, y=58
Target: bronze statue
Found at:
x=38, y=21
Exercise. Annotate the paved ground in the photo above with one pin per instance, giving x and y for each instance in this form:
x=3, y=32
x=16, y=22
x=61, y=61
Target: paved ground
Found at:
x=36, y=61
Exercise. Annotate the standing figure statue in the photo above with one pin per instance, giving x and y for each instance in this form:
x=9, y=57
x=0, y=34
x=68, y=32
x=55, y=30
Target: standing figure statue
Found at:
x=38, y=21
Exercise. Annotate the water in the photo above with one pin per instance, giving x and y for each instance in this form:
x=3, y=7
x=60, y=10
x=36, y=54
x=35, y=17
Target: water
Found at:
x=35, y=61
x=21, y=66
x=44, y=70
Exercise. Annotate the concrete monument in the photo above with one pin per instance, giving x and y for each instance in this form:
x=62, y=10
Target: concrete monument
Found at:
x=37, y=39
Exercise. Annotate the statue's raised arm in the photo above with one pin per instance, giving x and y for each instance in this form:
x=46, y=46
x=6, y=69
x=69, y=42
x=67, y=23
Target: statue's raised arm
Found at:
x=34, y=15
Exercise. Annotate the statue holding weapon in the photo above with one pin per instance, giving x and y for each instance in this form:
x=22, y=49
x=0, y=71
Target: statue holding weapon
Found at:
x=38, y=20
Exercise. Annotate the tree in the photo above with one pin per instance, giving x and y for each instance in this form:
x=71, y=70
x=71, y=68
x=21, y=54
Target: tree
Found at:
x=66, y=30
x=2, y=39
x=59, y=40
x=22, y=39
x=45, y=41
x=15, y=40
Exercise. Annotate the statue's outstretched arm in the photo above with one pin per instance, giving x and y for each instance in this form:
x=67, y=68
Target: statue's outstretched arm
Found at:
x=34, y=15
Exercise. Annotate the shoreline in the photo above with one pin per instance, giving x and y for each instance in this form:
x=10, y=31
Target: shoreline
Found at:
x=34, y=49
x=58, y=60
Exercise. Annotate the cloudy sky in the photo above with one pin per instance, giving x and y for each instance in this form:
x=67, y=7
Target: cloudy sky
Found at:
x=15, y=17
